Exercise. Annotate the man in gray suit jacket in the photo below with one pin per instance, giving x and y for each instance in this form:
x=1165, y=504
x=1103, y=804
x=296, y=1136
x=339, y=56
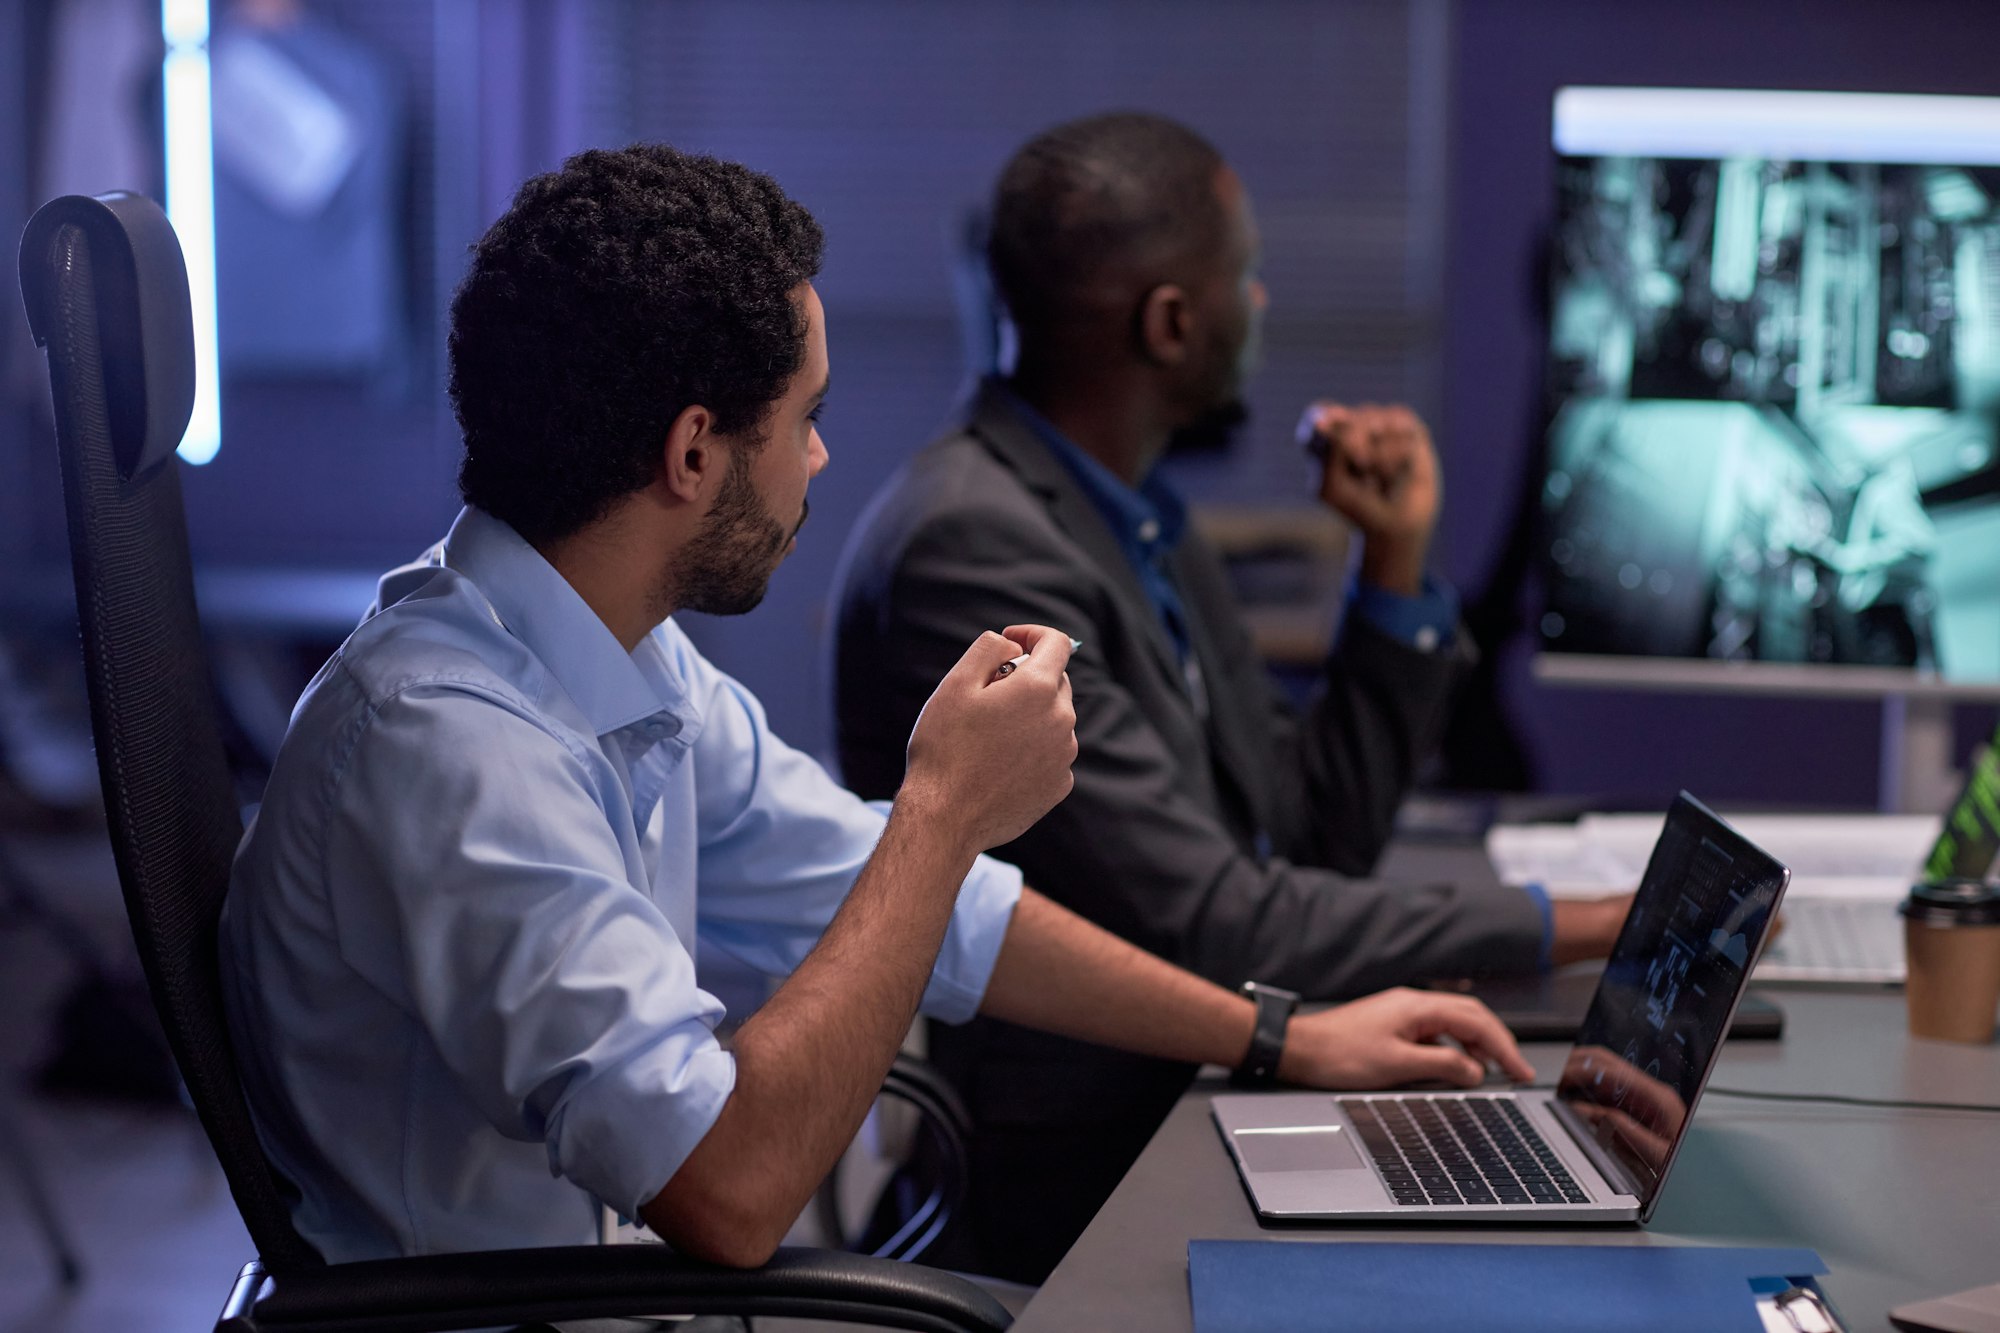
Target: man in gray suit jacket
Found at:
x=1210, y=822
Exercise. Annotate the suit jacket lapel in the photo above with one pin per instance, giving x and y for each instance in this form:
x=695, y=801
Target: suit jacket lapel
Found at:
x=1015, y=444
x=1234, y=719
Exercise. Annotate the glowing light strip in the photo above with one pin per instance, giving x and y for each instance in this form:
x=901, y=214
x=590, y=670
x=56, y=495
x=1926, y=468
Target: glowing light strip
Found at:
x=1799, y=127
x=191, y=206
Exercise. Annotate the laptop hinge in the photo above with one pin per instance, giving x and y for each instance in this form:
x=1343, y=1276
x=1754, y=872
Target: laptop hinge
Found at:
x=1614, y=1171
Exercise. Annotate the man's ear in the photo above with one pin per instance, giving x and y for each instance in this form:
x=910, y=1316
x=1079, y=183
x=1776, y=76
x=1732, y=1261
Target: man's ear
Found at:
x=1166, y=325
x=692, y=458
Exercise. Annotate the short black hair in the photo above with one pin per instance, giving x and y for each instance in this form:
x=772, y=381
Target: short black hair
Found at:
x=611, y=296
x=1125, y=187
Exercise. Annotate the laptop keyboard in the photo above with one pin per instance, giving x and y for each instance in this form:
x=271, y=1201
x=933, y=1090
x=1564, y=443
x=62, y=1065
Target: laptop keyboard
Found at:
x=1447, y=1150
x=1836, y=939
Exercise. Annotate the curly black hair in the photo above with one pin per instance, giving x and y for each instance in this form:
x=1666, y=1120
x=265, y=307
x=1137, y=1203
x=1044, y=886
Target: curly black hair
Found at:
x=611, y=296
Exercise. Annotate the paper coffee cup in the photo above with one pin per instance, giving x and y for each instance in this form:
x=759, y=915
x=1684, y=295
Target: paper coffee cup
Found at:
x=1951, y=932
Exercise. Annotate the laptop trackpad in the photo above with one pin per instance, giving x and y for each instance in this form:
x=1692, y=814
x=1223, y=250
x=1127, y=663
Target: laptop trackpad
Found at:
x=1318, y=1149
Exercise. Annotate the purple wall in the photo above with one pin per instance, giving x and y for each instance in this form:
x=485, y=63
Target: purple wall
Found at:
x=1508, y=60
x=887, y=132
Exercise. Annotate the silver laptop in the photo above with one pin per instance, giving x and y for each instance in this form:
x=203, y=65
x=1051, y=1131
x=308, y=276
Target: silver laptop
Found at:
x=1852, y=940
x=1596, y=1148
x=1841, y=922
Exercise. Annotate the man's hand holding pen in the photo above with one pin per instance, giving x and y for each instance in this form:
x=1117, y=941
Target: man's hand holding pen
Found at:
x=993, y=761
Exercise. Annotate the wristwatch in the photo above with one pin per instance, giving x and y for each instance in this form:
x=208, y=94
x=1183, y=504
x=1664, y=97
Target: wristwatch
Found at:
x=1274, y=1010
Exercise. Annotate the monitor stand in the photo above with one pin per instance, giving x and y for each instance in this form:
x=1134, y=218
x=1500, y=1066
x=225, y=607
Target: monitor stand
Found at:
x=1917, y=773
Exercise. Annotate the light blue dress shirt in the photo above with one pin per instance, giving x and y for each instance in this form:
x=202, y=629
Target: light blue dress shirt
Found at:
x=460, y=945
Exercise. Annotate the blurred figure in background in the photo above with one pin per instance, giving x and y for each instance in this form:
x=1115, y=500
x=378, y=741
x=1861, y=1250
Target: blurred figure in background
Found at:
x=1211, y=823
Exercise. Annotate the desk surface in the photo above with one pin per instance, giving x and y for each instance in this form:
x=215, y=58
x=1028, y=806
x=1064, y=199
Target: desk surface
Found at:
x=1900, y=1204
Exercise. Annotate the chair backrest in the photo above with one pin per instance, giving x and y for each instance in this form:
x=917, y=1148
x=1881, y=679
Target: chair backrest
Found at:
x=107, y=294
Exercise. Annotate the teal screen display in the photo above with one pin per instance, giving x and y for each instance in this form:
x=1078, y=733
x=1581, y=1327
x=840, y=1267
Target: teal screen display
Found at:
x=1774, y=385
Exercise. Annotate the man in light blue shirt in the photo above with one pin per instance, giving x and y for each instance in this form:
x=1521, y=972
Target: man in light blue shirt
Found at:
x=460, y=946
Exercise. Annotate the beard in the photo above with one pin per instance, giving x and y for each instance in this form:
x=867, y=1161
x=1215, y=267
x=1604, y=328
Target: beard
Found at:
x=726, y=570
x=1230, y=359
x=1213, y=431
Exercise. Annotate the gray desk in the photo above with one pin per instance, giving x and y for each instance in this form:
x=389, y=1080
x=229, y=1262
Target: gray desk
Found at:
x=1900, y=1204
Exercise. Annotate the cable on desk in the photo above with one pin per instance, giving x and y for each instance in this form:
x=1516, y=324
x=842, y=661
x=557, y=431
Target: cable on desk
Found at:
x=1837, y=1099
x=1830, y=1099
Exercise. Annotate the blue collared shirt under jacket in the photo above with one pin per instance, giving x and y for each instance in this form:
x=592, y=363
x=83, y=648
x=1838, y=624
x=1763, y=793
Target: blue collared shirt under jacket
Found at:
x=460, y=945
x=1148, y=521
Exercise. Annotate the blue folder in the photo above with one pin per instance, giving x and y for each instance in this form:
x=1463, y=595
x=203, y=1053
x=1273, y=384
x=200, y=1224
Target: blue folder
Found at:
x=1261, y=1286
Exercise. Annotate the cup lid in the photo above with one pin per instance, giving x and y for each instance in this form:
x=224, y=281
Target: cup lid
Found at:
x=1953, y=902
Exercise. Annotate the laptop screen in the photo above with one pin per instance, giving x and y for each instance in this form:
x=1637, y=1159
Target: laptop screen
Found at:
x=1651, y=1035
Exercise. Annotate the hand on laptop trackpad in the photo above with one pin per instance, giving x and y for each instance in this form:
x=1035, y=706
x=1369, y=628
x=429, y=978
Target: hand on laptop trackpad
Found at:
x=1303, y=1149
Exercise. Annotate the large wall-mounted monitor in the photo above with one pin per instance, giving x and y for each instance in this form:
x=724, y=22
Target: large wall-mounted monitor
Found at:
x=1774, y=350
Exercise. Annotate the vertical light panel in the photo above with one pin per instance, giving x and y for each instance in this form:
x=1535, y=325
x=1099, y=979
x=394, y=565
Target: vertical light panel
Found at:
x=191, y=206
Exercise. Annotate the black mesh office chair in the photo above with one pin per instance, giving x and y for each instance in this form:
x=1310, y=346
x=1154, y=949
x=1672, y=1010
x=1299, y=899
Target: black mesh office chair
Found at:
x=107, y=295
x=925, y=1187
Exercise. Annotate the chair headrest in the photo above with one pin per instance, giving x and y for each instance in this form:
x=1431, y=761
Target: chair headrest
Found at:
x=145, y=330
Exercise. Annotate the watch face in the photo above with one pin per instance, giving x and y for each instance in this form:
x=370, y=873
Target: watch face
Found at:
x=1258, y=991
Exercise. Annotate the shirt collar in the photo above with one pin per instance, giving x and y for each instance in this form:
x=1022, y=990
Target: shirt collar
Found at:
x=537, y=605
x=1149, y=518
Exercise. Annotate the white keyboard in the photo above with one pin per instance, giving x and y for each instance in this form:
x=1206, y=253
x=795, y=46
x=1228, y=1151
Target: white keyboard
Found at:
x=1848, y=874
x=1857, y=940
x=1602, y=854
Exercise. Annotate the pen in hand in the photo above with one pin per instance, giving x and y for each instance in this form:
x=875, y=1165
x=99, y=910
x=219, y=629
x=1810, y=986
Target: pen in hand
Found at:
x=1013, y=664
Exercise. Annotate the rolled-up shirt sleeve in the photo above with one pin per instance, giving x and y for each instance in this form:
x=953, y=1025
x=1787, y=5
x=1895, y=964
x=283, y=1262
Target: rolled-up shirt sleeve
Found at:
x=559, y=997
x=782, y=844
x=979, y=922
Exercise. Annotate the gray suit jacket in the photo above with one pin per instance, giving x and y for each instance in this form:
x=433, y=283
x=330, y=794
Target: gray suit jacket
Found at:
x=1225, y=845
x=1163, y=839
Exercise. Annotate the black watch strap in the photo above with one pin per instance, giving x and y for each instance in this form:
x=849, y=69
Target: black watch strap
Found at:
x=1274, y=1012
